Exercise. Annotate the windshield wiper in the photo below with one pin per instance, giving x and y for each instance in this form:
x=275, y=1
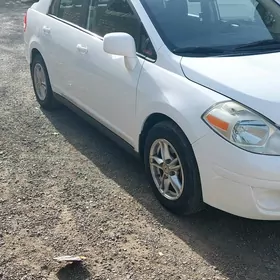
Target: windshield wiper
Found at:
x=199, y=51
x=263, y=44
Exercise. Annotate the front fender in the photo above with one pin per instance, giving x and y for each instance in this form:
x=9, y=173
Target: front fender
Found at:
x=173, y=95
x=193, y=128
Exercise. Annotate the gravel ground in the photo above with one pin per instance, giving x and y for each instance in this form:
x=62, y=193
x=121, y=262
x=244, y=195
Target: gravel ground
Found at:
x=66, y=189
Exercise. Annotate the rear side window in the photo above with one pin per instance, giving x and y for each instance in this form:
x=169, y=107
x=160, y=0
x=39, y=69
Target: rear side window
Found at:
x=69, y=10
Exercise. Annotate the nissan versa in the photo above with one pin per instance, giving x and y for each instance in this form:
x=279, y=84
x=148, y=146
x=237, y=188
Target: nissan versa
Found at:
x=191, y=86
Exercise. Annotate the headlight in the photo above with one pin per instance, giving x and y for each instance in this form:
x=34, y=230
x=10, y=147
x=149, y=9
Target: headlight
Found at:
x=244, y=128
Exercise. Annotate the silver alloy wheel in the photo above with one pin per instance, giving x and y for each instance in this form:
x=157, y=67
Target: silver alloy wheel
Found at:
x=166, y=169
x=40, y=81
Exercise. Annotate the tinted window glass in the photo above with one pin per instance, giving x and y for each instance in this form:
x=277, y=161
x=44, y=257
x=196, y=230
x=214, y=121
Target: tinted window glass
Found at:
x=118, y=16
x=223, y=24
x=54, y=7
x=70, y=10
x=145, y=47
x=113, y=16
x=239, y=9
x=194, y=8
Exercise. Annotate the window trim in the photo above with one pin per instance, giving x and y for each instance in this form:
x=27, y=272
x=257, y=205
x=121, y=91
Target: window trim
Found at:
x=157, y=26
x=83, y=28
x=142, y=27
x=50, y=7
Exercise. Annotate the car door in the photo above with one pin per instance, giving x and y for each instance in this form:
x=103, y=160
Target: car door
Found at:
x=61, y=34
x=107, y=89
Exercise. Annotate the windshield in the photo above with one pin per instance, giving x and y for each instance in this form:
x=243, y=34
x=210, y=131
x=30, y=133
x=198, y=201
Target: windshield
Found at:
x=216, y=25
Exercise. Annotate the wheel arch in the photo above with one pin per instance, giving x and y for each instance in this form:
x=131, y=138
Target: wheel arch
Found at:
x=151, y=121
x=34, y=48
x=33, y=53
x=194, y=195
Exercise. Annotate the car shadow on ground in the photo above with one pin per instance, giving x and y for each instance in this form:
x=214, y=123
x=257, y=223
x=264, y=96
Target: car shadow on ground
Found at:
x=238, y=248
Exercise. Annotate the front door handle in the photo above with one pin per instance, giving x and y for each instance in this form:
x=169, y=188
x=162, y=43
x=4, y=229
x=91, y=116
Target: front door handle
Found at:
x=46, y=30
x=82, y=49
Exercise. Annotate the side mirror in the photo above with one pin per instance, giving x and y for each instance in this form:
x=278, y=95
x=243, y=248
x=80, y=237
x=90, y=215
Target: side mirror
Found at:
x=119, y=43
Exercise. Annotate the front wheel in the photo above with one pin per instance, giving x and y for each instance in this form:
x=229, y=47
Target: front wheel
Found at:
x=172, y=169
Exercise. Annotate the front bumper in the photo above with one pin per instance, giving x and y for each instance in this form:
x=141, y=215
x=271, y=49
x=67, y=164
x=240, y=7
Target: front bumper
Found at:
x=236, y=181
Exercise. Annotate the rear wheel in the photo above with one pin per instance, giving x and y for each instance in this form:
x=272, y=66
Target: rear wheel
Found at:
x=172, y=169
x=41, y=84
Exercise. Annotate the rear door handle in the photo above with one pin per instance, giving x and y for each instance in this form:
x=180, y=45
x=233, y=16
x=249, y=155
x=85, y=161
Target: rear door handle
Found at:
x=46, y=30
x=82, y=49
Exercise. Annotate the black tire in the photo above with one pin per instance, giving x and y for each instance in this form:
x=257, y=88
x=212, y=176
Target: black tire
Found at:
x=49, y=102
x=190, y=201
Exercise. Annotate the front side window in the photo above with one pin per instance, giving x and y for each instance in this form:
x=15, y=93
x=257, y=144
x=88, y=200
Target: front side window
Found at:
x=113, y=16
x=107, y=16
x=194, y=27
x=69, y=10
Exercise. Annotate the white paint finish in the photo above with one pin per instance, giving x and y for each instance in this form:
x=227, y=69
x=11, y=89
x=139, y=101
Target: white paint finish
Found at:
x=65, y=54
x=162, y=90
x=55, y=51
x=123, y=97
x=121, y=44
x=106, y=88
x=252, y=80
x=232, y=179
x=42, y=6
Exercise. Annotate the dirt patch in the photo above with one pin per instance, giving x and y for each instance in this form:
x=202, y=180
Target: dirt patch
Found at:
x=66, y=189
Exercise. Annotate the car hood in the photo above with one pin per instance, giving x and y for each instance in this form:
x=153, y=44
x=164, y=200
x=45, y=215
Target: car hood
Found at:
x=251, y=80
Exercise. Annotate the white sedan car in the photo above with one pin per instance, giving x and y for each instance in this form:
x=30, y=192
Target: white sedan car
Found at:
x=191, y=86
